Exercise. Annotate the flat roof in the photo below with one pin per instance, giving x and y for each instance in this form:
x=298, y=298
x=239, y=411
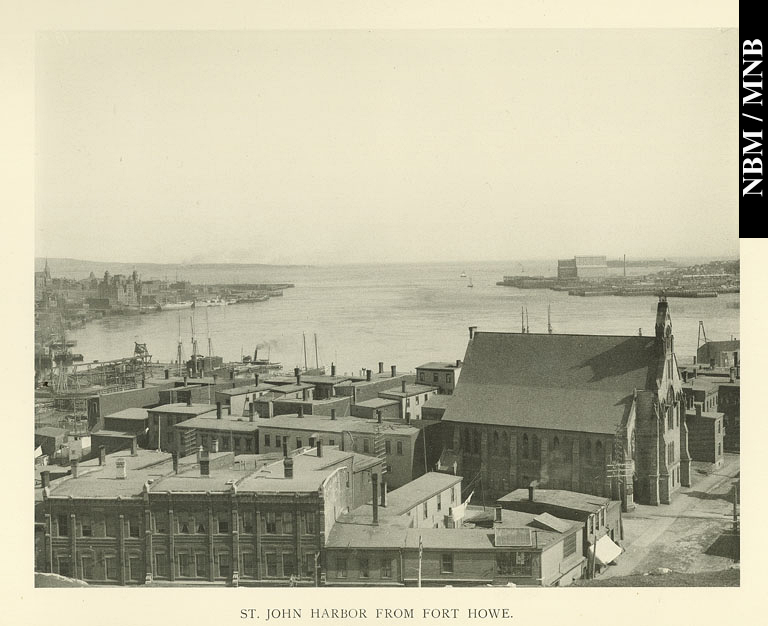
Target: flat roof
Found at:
x=130, y=414
x=244, y=389
x=183, y=408
x=438, y=401
x=377, y=403
x=226, y=423
x=118, y=434
x=438, y=365
x=50, y=431
x=419, y=490
x=413, y=389
x=324, y=423
x=563, y=498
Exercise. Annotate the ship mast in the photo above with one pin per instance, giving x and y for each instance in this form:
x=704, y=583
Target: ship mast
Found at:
x=304, y=337
x=317, y=360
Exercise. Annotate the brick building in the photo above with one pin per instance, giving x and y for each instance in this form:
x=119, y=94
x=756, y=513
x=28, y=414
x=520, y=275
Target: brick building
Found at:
x=444, y=376
x=411, y=398
x=569, y=411
x=143, y=518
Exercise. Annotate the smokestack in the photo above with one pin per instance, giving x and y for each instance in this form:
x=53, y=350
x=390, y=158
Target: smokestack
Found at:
x=74, y=465
x=378, y=415
x=498, y=514
x=288, y=467
x=394, y=370
x=218, y=410
x=333, y=414
x=205, y=463
x=383, y=492
x=102, y=455
x=403, y=386
x=333, y=369
x=368, y=375
x=319, y=449
x=167, y=374
x=175, y=459
x=134, y=447
x=472, y=330
x=45, y=478
x=256, y=354
x=381, y=367
x=375, y=489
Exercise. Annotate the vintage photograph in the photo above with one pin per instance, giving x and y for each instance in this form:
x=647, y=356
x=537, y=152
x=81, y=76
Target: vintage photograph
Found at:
x=387, y=308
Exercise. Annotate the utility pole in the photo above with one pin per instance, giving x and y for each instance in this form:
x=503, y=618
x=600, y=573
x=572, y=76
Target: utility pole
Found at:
x=421, y=549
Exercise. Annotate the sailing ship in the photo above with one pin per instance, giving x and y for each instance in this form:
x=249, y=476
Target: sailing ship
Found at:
x=463, y=275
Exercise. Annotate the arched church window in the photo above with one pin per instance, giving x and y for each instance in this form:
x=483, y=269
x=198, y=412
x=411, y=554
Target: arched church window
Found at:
x=525, y=446
x=555, y=443
x=588, y=451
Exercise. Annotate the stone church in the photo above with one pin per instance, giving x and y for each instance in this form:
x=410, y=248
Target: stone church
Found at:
x=600, y=414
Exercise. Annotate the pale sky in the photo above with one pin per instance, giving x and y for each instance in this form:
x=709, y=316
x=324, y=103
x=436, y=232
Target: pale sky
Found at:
x=357, y=146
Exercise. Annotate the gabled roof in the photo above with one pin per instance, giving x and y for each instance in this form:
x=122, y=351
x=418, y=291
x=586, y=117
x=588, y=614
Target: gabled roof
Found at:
x=566, y=382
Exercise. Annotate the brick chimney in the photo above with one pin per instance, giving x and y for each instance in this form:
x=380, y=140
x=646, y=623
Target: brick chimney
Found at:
x=698, y=408
x=175, y=459
x=102, y=455
x=301, y=411
x=218, y=410
x=297, y=374
x=45, y=478
x=532, y=491
x=368, y=375
x=403, y=385
x=143, y=381
x=375, y=490
x=319, y=448
x=333, y=369
x=394, y=370
x=288, y=467
x=231, y=374
x=205, y=463
x=472, y=330
x=251, y=410
x=497, y=519
x=256, y=379
x=458, y=362
x=381, y=367
x=74, y=465
x=252, y=416
x=333, y=414
x=134, y=447
x=185, y=381
x=383, y=492
x=378, y=416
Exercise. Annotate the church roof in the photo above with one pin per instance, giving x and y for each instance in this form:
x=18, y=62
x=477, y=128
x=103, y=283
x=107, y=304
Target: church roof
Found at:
x=566, y=382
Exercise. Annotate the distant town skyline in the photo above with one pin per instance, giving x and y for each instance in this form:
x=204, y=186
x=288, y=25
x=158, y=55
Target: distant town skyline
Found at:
x=386, y=146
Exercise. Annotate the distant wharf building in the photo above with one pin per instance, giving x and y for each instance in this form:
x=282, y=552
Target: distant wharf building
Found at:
x=582, y=268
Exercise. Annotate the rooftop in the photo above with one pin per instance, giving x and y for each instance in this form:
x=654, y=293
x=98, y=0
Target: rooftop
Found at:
x=243, y=389
x=209, y=421
x=410, y=390
x=377, y=403
x=50, y=431
x=438, y=365
x=566, y=382
x=323, y=423
x=130, y=414
x=573, y=500
x=438, y=401
x=183, y=408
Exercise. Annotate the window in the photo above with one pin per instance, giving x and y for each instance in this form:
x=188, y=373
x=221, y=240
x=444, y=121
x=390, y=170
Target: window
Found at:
x=599, y=451
x=237, y=443
x=514, y=563
x=388, y=446
x=201, y=528
x=225, y=565
x=453, y=495
x=161, y=565
x=222, y=520
x=425, y=510
x=366, y=445
x=160, y=522
x=719, y=449
x=448, y=378
x=555, y=443
x=495, y=442
x=65, y=566
x=247, y=522
x=365, y=571
x=298, y=443
x=86, y=530
x=569, y=545
x=249, y=564
x=588, y=451
x=718, y=427
x=204, y=441
x=446, y=564
x=439, y=501
x=535, y=448
x=287, y=523
x=309, y=565
x=341, y=567
x=434, y=378
x=289, y=562
x=331, y=442
x=270, y=524
x=309, y=523
x=63, y=524
x=86, y=565
x=110, y=526
x=277, y=441
x=183, y=565
x=421, y=376
x=400, y=448
x=271, y=564
x=110, y=567
x=386, y=568
x=133, y=527
x=248, y=444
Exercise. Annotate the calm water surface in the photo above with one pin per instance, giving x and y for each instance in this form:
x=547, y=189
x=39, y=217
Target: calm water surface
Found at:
x=400, y=314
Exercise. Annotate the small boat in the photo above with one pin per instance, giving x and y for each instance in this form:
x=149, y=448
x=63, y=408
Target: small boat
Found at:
x=463, y=275
x=211, y=302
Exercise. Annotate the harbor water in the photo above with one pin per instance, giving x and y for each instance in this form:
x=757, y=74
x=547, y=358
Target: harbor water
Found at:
x=400, y=314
